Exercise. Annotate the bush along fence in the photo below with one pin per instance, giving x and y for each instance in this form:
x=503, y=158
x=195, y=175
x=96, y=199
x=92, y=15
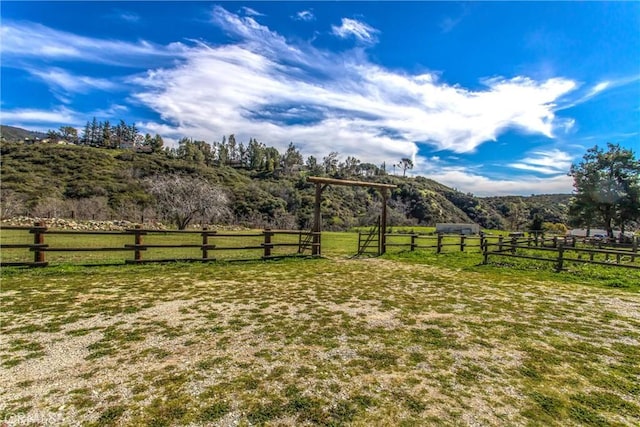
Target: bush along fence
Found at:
x=146, y=245
x=558, y=250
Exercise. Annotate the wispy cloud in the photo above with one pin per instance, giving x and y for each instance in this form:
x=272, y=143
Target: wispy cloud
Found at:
x=305, y=15
x=552, y=162
x=251, y=12
x=31, y=40
x=30, y=116
x=128, y=16
x=599, y=88
x=448, y=23
x=61, y=80
x=357, y=29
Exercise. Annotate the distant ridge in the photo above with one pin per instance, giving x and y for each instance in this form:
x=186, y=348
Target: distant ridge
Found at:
x=15, y=134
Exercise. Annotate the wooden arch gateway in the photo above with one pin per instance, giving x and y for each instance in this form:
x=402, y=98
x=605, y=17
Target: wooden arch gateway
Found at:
x=322, y=183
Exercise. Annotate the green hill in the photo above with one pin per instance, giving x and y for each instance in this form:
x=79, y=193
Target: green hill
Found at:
x=14, y=134
x=65, y=180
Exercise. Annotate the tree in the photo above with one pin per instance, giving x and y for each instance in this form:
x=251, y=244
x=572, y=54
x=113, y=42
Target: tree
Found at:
x=190, y=151
x=86, y=134
x=330, y=163
x=255, y=154
x=233, y=148
x=53, y=136
x=272, y=159
x=405, y=163
x=607, y=188
x=95, y=133
x=157, y=143
x=183, y=198
x=107, y=135
x=291, y=159
x=69, y=133
x=536, y=225
x=350, y=167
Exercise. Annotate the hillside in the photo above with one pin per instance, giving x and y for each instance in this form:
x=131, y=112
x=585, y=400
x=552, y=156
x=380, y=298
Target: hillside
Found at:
x=96, y=183
x=14, y=134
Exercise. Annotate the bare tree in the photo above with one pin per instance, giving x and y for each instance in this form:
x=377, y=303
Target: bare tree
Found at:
x=49, y=207
x=95, y=207
x=11, y=204
x=181, y=199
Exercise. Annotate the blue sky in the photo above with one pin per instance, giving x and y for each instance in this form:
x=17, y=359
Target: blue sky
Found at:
x=488, y=98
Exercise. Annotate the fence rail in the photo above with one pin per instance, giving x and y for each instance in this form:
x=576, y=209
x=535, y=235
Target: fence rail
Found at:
x=561, y=254
x=562, y=249
x=437, y=241
x=269, y=243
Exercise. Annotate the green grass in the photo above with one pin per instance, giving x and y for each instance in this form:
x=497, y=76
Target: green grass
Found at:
x=412, y=338
x=243, y=239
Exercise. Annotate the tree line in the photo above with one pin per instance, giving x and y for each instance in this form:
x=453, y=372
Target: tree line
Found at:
x=606, y=181
x=254, y=155
x=103, y=134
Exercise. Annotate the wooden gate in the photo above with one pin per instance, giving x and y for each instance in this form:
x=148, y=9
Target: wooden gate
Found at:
x=369, y=242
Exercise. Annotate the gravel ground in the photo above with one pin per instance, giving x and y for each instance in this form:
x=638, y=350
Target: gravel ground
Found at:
x=354, y=329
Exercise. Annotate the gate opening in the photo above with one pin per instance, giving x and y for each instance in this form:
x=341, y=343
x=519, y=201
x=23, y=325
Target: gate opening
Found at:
x=322, y=183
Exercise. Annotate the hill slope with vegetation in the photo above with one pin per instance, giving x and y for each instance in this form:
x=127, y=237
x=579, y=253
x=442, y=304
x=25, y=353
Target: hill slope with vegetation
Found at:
x=266, y=190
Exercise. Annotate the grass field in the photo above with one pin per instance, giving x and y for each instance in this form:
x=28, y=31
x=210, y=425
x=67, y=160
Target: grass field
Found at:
x=334, y=243
x=408, y=339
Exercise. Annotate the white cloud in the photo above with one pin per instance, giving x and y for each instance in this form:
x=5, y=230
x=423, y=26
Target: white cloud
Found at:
x=305, y=15
x=480, y=185
x=551, y=162
x=355, y=28
x=599, y=88
x=37, y=41
x=59, y=79
x=265, y=87
x=251, y=12
x=34, y=116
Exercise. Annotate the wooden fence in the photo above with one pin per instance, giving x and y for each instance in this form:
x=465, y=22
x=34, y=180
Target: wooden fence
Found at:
x=437, y=241
x=560, y=249
x=562, y=253
x=267, y=243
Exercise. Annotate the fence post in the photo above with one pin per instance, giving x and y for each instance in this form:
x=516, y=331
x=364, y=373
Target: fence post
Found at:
x=267, y=242
x=560, y=258
x=205, y=242
x=500, y=243
x=439, y=248
x=514, y=242
x=462, y=244
x=137, y=254
x=634, y=248
x=38, y=239
x=413, y=242
x=484, y=246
